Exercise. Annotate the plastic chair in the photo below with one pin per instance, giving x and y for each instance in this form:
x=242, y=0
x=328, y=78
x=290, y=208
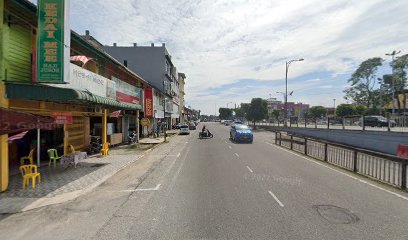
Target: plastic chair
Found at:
x=72, y=149
x=105, y=149
x=29, y=158
x=53, y=156
x=30, y=172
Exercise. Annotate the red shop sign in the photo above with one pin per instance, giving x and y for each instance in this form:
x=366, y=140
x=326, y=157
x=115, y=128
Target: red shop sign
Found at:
x=148, y=102
x=62, y=117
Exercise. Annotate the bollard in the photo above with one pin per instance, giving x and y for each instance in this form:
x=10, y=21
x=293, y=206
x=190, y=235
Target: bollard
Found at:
x=342, y=122
x=276, y=138
x=280, y=139
x=325, y=152
x=363, y=123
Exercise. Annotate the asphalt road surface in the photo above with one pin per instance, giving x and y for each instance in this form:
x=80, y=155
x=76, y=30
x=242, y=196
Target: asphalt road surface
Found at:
x=218, y=189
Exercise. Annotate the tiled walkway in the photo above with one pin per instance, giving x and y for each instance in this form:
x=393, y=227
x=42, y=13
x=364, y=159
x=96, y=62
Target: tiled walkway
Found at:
x=60, y=180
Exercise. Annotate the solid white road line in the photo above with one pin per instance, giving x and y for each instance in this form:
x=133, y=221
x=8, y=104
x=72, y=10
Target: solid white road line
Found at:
x=249, y=169
x=345, y=174
x=276, y=199
x=236, y=154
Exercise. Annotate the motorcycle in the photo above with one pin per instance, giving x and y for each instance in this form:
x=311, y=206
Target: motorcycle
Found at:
x=132, y=137
x=95, y=146
x=205, y=134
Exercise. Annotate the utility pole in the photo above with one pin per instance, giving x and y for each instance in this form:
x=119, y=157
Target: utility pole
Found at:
x=164, y=110
x=286, y=88
x=393, y=80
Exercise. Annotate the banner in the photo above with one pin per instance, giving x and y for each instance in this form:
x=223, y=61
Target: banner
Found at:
x=50, y=41
x=126, y=92
x=62, y=117
x=148, y=102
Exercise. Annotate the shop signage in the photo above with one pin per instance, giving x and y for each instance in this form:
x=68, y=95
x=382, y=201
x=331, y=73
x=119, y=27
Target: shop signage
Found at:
x=50, y=40
x=144, y=122
x=111, y=89
x=148, y=102
x=84, y=80
x=62, y=117
x=115, y=114
x=126, y=92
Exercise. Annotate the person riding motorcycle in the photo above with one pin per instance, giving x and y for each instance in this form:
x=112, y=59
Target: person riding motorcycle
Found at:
x=205, y=131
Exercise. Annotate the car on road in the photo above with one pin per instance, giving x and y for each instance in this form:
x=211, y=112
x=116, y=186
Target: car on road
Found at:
x=178, y=126
x=236, y=122
x=376, y=121
x=227, y=122
x=241, y=133
x=184, y=129
x=192, y=126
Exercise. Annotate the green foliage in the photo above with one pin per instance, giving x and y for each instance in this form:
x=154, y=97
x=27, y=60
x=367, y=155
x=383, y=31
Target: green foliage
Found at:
x=361, y=110
x=373, y=111
x=276, y=114
x=317, y=112
x=258, y=110
x=363, y=81
x=344, y=110
x=225, y=113
x=242, y=111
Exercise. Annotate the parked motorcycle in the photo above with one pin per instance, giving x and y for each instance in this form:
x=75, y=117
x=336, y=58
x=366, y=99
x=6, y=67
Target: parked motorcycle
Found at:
x=132, y=137
x=95, y=146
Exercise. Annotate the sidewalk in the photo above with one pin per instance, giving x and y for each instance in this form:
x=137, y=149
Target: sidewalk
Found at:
x=60, y=185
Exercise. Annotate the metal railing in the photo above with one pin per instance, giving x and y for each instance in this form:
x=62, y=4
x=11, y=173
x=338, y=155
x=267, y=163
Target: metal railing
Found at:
x=396, y=123
x=383, y=167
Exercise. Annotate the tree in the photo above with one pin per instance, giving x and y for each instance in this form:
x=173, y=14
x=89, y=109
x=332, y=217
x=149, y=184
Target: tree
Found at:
x=361, y=110
x=344, y=110
x=317, y=112
x=258, y=110
x=225, y=113
x=400, y=66
x=363, y=81
x=241, y=112
x=276, y=114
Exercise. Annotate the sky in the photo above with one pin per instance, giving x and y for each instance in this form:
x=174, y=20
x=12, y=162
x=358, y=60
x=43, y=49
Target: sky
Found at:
x=234, y=50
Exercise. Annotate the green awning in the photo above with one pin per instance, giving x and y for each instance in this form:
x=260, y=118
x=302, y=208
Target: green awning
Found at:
x=54, y=94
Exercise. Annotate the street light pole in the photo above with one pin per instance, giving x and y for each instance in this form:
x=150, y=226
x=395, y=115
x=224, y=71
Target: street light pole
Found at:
x=393, y=81
x=286, y=88
x=164, y=109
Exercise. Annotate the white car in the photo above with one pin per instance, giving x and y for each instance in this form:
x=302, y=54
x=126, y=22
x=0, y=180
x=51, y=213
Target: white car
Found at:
x=184, y=130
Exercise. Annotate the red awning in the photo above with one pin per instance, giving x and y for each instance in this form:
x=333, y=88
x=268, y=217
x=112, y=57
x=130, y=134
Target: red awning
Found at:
x=12, y=121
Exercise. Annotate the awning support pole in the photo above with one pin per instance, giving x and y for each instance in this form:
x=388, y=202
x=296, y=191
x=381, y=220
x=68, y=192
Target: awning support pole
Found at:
x=105, y=144
x=38, y=146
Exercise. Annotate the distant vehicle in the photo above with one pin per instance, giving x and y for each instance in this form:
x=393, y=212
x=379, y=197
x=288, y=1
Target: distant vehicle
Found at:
x=222, y=121
x=178, y=126
x=184, y=129
x=377, y=121
x=236, y=122
x=227, y=122
x=192, y=126
x=241, y=133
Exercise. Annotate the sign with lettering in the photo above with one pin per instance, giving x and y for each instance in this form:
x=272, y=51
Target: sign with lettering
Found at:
x=126, y=92
x=62, y=117
x=50, y=41
x=144, y=122
x=84, y=80
x=148, y=102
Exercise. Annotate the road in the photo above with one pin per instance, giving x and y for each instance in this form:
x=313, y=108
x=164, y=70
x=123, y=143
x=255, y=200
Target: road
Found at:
x=218, y=189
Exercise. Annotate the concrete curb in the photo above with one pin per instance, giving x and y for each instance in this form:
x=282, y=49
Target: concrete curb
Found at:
x=20, y=204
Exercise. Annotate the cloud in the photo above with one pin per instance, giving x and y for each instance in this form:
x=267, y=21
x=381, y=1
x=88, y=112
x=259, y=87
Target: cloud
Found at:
x=217, y=43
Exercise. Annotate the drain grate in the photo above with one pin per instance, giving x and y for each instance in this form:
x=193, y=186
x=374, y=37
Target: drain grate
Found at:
x=336, y=215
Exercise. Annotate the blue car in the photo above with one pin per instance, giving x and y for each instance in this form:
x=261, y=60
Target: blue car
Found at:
x=241, y=133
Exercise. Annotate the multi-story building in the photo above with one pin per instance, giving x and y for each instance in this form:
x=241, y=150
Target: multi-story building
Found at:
x=294, y=109
x=99, y=97
x=182, y=93
x=153, y=63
